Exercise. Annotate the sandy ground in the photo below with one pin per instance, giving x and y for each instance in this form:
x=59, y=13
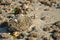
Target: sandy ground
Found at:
x=42, y=16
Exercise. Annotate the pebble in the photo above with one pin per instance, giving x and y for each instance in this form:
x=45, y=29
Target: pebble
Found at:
x=21, y=36
x=16, y=34
x=5, y=35
x=25, y=6
x=1, y=17
x=34, y=34
x=16, y=20
x=32, y=38
x=57, y=23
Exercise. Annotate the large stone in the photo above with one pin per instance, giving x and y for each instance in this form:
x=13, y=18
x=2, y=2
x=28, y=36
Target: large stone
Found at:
x=21, y=24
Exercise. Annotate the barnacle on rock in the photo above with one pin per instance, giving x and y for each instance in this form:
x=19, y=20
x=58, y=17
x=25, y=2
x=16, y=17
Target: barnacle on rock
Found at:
x=22, y=24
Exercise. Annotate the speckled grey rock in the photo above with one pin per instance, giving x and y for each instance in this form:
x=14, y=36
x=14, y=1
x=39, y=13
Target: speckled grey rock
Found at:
x=20, y=24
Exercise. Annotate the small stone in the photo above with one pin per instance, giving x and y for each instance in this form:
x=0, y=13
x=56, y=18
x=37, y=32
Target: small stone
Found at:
x=9, y=10
x=32, y=38
x=27, y=2
x=43, y=18
x=5, y=3
x=1, y=17
x=0, y=12
x=25, y=6
x=34, y=34
x=21, y=36
x=54, y=27
x=4, y=24
x=16, y=20
x=56, y=35
x=0, y=36
x=47, y=29
x=21, y=14
x=45, y=39
x=57, y=25
x=5, y=35
x=46, y=9
x=17, y=11
x=16, y=34
x=33, y=17
x=9, y=17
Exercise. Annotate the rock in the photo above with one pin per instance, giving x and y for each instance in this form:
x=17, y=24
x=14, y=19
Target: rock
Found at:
x=56, y=35
x=57, y=23
x=21, y=36
x=23, y=24
x=4, y=3
x=53, y=27
x=1, y=17
x=5, y=35
x=25, y=6
x=32, y=38
x=46, y=9
x=0, y=12
x=34, y=34
x=0, y=36
x=33, y=17
x=15, y=34
x=33, y=1
x=46, y=29
x=43, y=18
x=15, y=20
x=27, y=2
x=17, y=11
x=4, y=24
x=45, y=38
